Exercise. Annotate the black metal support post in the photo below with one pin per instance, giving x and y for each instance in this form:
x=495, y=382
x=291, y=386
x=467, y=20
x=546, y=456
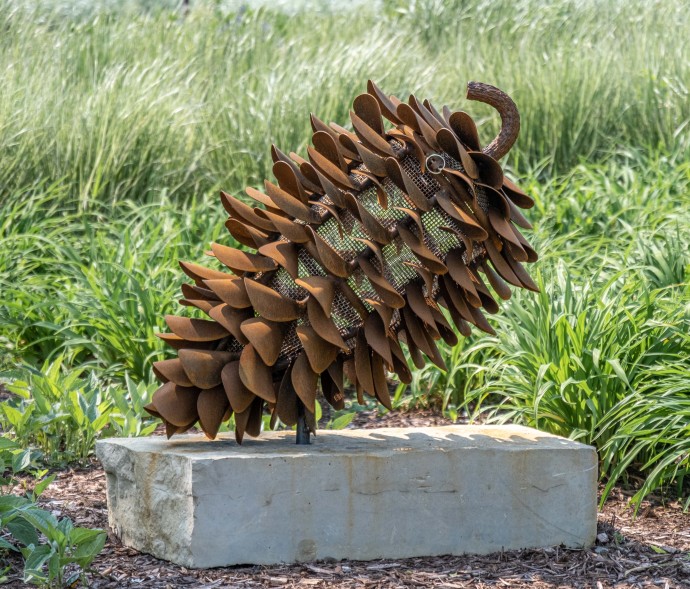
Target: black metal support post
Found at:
x=302, y=428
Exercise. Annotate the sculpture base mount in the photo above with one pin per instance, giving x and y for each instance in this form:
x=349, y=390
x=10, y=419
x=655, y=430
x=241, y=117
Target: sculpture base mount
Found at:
x=351, y=494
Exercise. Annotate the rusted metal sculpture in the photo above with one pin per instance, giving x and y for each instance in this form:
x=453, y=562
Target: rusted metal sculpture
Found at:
x=354, y=251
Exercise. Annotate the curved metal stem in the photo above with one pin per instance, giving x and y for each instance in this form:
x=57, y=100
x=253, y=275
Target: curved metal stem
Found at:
x=510, y=117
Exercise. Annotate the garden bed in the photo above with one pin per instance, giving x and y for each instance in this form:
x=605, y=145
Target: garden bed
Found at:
x=650, y=550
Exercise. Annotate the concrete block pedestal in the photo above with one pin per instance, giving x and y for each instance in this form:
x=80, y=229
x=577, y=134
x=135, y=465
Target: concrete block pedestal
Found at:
x=351, y=494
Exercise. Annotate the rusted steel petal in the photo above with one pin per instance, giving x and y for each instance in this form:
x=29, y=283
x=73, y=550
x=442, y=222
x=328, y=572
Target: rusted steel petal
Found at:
x=287, y=403
x=177, y=342
x=383, y=288
x=304, y=379
x=375, y=249
x=384, y=311
x=266, y=337
x=239, y=396
x=378, y=374
x=447, y=333
x=351, y=375
x=450, y=144
x=322, y=289
x=200, y=273
x=329, y=169
x=246, y=234
x=417, y=302
x=387, y=105
x=333, y=211
x=372, y=226
x=311, y=177
x=456, y=298
x=195, y=330
x=374, y=141
x=334, y=193
x=324, y=326
x=287, y=227
x=516, y=194
x=488, y=302
x=328, y=257
x=403, y=181
x=415, y=353
x=461, y=274
x=490, y=170
x=424, y=273
x=376, y=335
x=336, y=372
x=375, y=163
x=439, y=117
x=425, y=113
x=408, y=116
x=517, y=217
x=497, y=283
x=151, y=410
x=328, y=146
x=212, y=407
x=420, y=249
x=500, y=264
x=367, y=109
x=522, y=275
x=400, y=366
x=231, y=319
x=353, y=299
x=284, y=253
x=244, y=212
x=255, y=375
x=286, y=174
x=363, y=364
x=532, y=255
x=172, y=370
x=203, y=367
x=231, y=291
x=201, y=304
x=263, y=199
x=415, y=330
x=435, y=355
x=294, y=161
x=467, y=224
x=194, y=292
x=463, y=126
x=241, y=262
x=271, y=304
x=481, y=322
x=255, y=420
x=318, y=125
x=503, y=228
x=320, y=353
x=290, y=205
x=241, y=420
x=176, y=404
x=331, y=393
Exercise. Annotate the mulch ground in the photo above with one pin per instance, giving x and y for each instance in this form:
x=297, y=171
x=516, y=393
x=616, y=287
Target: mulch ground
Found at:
x=650, y=550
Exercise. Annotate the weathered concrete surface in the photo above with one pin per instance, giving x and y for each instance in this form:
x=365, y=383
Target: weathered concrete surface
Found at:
x=367, y=494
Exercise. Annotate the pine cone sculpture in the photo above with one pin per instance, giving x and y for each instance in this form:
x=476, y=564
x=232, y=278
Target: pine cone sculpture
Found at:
x=353, y=251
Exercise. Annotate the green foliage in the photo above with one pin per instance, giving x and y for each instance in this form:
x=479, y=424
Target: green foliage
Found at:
x=65, y=552
x=61, y=413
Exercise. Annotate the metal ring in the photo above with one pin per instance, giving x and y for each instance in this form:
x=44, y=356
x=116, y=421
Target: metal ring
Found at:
x=435, y=163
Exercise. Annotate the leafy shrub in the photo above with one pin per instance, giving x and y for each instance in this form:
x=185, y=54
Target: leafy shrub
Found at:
x=62, y=412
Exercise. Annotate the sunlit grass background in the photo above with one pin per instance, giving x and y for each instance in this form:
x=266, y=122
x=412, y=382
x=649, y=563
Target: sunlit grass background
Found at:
x=119, y=123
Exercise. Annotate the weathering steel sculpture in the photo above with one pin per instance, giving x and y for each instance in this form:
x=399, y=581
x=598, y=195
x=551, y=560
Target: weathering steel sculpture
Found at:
x=353, y=251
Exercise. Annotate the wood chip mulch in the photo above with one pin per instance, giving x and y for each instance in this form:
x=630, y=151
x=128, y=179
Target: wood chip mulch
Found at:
x=651, y=550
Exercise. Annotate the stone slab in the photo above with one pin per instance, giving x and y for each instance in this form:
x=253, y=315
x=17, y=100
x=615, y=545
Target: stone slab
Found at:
x=352, y=494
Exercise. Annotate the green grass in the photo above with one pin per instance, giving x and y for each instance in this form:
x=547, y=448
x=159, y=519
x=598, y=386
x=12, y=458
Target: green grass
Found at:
x=119, y=124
